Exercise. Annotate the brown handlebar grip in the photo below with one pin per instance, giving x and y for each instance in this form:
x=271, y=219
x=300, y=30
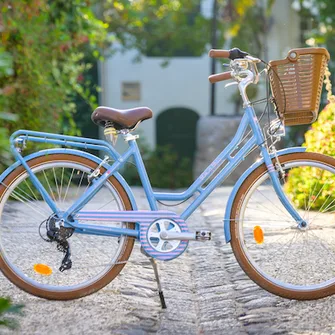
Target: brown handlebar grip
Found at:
x=216, y=53
x=214, y=78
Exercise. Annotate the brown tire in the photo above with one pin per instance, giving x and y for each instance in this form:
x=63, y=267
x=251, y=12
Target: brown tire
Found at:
x=107, y=276
x=255, y=264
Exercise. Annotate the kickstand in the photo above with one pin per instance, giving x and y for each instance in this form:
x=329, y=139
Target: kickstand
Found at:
x=160, y=292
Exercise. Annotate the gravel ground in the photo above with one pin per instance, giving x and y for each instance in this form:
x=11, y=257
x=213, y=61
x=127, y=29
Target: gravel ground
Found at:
x=205, y=289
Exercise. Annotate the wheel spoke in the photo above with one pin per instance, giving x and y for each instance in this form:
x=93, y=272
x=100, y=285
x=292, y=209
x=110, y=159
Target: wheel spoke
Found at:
x=275, y=205
x=61, y=185
x=28, y=203
x=51, y=192
x=68, y=185
x=31, y=190
x=81, y=180
x=23, y=198
x=107, y=203
x=56, y=182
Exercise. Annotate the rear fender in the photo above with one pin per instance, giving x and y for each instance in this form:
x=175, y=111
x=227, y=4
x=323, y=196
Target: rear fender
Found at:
x=76, y=153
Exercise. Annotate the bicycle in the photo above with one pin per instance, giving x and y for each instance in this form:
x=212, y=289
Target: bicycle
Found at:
x=69, y=219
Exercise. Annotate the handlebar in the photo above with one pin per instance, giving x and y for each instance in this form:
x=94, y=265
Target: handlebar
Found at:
x=241, y=64
x=214, y=53
x=214, y=78
x=243, y=70
x=231, y=54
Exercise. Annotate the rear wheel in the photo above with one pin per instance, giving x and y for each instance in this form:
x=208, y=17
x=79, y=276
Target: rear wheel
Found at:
x=284, y=258
x=30, y=259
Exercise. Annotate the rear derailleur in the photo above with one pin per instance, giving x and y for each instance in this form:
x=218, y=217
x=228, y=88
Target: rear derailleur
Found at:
x=56, y=232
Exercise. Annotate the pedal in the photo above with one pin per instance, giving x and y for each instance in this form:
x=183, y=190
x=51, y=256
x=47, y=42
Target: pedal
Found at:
x=203, y=235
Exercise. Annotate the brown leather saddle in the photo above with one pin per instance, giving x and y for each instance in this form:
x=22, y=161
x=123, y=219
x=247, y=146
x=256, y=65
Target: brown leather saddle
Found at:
x=121, y=118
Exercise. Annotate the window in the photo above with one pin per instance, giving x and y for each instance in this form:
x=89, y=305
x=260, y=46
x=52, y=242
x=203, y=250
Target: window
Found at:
x=131, y=91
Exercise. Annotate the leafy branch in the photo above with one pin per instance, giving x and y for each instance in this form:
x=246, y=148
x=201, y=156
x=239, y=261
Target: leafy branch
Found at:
x=7, y=313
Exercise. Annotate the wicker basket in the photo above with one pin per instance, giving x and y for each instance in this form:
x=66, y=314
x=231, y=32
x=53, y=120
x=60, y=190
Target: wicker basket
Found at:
x=296, y=84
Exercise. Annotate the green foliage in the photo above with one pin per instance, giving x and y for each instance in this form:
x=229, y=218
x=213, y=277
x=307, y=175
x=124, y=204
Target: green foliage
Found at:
x=159, y=28
x=6, y=63
x=245, y=24
x=321, y=15
x=301, y=181
x=178, y=28
x=48, y=46
x=320, y=138
x=167, y=170
x=42, y=65
x=6, y=309
x=317, y=17
x=6, y=69
x=5, y=155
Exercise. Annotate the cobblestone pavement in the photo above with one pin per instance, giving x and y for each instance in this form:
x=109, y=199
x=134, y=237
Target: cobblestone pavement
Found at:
x=205, y=289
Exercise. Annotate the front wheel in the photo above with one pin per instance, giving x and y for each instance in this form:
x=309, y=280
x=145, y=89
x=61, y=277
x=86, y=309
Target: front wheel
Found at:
x=292, y=261
x=30, y=252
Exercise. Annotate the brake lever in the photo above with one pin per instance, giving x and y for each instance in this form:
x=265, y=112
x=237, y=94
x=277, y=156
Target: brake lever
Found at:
x=230, y=84
x=252, y=59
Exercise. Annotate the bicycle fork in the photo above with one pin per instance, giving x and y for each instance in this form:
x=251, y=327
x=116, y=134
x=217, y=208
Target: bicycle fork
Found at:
x=260, y=140
x=275, y=179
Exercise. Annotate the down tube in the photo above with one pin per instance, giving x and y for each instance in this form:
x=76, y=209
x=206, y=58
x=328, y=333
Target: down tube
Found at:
x=272, y=172
x=233, y=163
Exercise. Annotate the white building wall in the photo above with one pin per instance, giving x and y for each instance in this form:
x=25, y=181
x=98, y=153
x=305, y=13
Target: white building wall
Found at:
x=184, y=82
x=285, y=31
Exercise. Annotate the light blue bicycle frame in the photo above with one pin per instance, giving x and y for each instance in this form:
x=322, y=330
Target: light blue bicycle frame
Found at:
x=197, y=188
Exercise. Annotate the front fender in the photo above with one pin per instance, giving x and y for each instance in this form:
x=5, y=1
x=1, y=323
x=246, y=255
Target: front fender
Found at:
x=238, y=184
x=76, y=153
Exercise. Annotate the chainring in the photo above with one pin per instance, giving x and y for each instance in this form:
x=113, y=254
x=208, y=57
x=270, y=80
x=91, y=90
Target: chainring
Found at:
x=158, y=248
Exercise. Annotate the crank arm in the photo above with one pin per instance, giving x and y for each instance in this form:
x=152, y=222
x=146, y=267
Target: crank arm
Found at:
x=201, y=235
